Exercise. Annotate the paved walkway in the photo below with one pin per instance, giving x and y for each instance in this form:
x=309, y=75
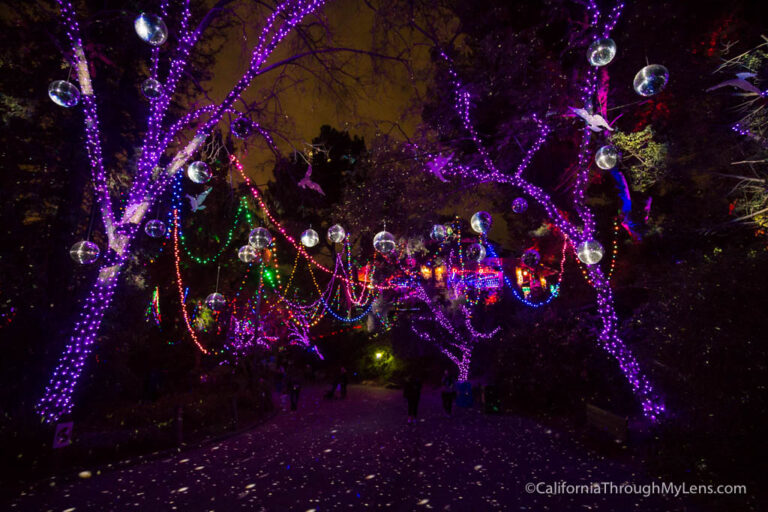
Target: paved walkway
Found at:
x=359, y=454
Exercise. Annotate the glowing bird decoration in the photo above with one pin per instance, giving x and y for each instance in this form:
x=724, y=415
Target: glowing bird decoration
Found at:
x=437, y=164
x=595, y=122
x=740, y=82
x=196, y=202
x=306, y=182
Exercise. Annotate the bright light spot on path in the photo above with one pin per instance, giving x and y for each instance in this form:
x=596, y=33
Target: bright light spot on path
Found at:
x=369, y=477
x=182, y=489
x=183, y=461
x=428, y=445
x=423, y=502
x=84, y=474
x=327, y=450
x=70, y=509
x=478, y=467
x=379, y=355
x=311, y=510
x=250, y=486
x=198, y=468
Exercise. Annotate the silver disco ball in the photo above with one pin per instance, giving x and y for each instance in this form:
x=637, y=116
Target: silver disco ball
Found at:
x=84, y=252
x=476, y=252
x=607, y=157
x=215, y=301
x=154, y=228
x=63, y=93
x=590, y=252
x=152, y=89
x=336, y=234
x=260, y=238
x=601, y=52
x=481, y=222
x=310, y=238
x=384, y=242
x=651, y=80
x=151, y=29
x=247, y=253
x=199, y=172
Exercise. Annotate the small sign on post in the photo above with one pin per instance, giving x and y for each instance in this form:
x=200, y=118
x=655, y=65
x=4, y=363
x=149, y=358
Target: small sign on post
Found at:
x=63, y=435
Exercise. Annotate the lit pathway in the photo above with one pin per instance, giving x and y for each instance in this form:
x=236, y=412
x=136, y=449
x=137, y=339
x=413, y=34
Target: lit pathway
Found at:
x=360, y=454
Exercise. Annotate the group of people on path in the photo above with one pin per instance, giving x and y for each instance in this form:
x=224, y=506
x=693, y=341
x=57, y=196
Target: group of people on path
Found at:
x=412, y=394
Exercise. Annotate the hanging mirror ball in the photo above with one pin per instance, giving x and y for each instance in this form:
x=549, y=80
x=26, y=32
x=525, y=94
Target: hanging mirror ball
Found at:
x=152, y=89
x=481, y=222
x=651, y=80
x=476, y=252
x=84, y=252
x=519, y=205
x=590, y=252
x=215, y=301
x=607, y=157
x=199, y=172
x=247, y=253
x=438, y=233
x=531, y=257
x=63, y=93
x=601, y=52
x=384, y=242
x=310, y=238
x=336, y=234
x=260, y=238
x=151, y=29
x=154, y=228
x=240, y=128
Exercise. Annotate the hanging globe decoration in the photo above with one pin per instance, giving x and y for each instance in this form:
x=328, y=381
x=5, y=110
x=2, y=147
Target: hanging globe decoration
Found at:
x=336, y=234
x=309, y=238
x=519, y=205
x=247, y=253
x=438, y=233
x=63, y=93
x=384, y=242
x=199, y=172
x=154, y=228
x=84, y=252
x=651, y=80
x=476, y=252
x=151, y=29
x=590, y=252
x=241, y=128
x=260, y=238
x=215, y=301
x=607, y=157
x=531, y=257
x=601, y=52
x=481, y=222
x=152, y=89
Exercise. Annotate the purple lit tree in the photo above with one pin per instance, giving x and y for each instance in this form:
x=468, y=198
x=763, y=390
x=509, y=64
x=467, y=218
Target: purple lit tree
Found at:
x=578, y=226
x=457, y=339
x=163, y=153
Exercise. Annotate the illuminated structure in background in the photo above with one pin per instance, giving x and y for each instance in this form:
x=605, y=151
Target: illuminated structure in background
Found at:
x=575, y=232
x=156, y=168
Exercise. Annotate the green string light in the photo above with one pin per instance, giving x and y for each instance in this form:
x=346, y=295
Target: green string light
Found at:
x=242, y=207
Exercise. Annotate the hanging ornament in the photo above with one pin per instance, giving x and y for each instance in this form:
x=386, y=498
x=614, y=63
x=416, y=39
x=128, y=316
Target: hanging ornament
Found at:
x=215, y=301
x=476, y=252
x=199, y=172
x=309, y=238
x=151, y=88
x=63, y=93
x=154, y=228
x=438, y=233
x=84, y=252
x=590, y=252
x=651, y=80
x=601, y=52
x=607, y=157
x=519, y=205
x=151, y=29
x=531, y=257
x=260, y=238
x=336, y=234
x=481, y=222
x=247, y=253
x=241, y=128
x=384, y=242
